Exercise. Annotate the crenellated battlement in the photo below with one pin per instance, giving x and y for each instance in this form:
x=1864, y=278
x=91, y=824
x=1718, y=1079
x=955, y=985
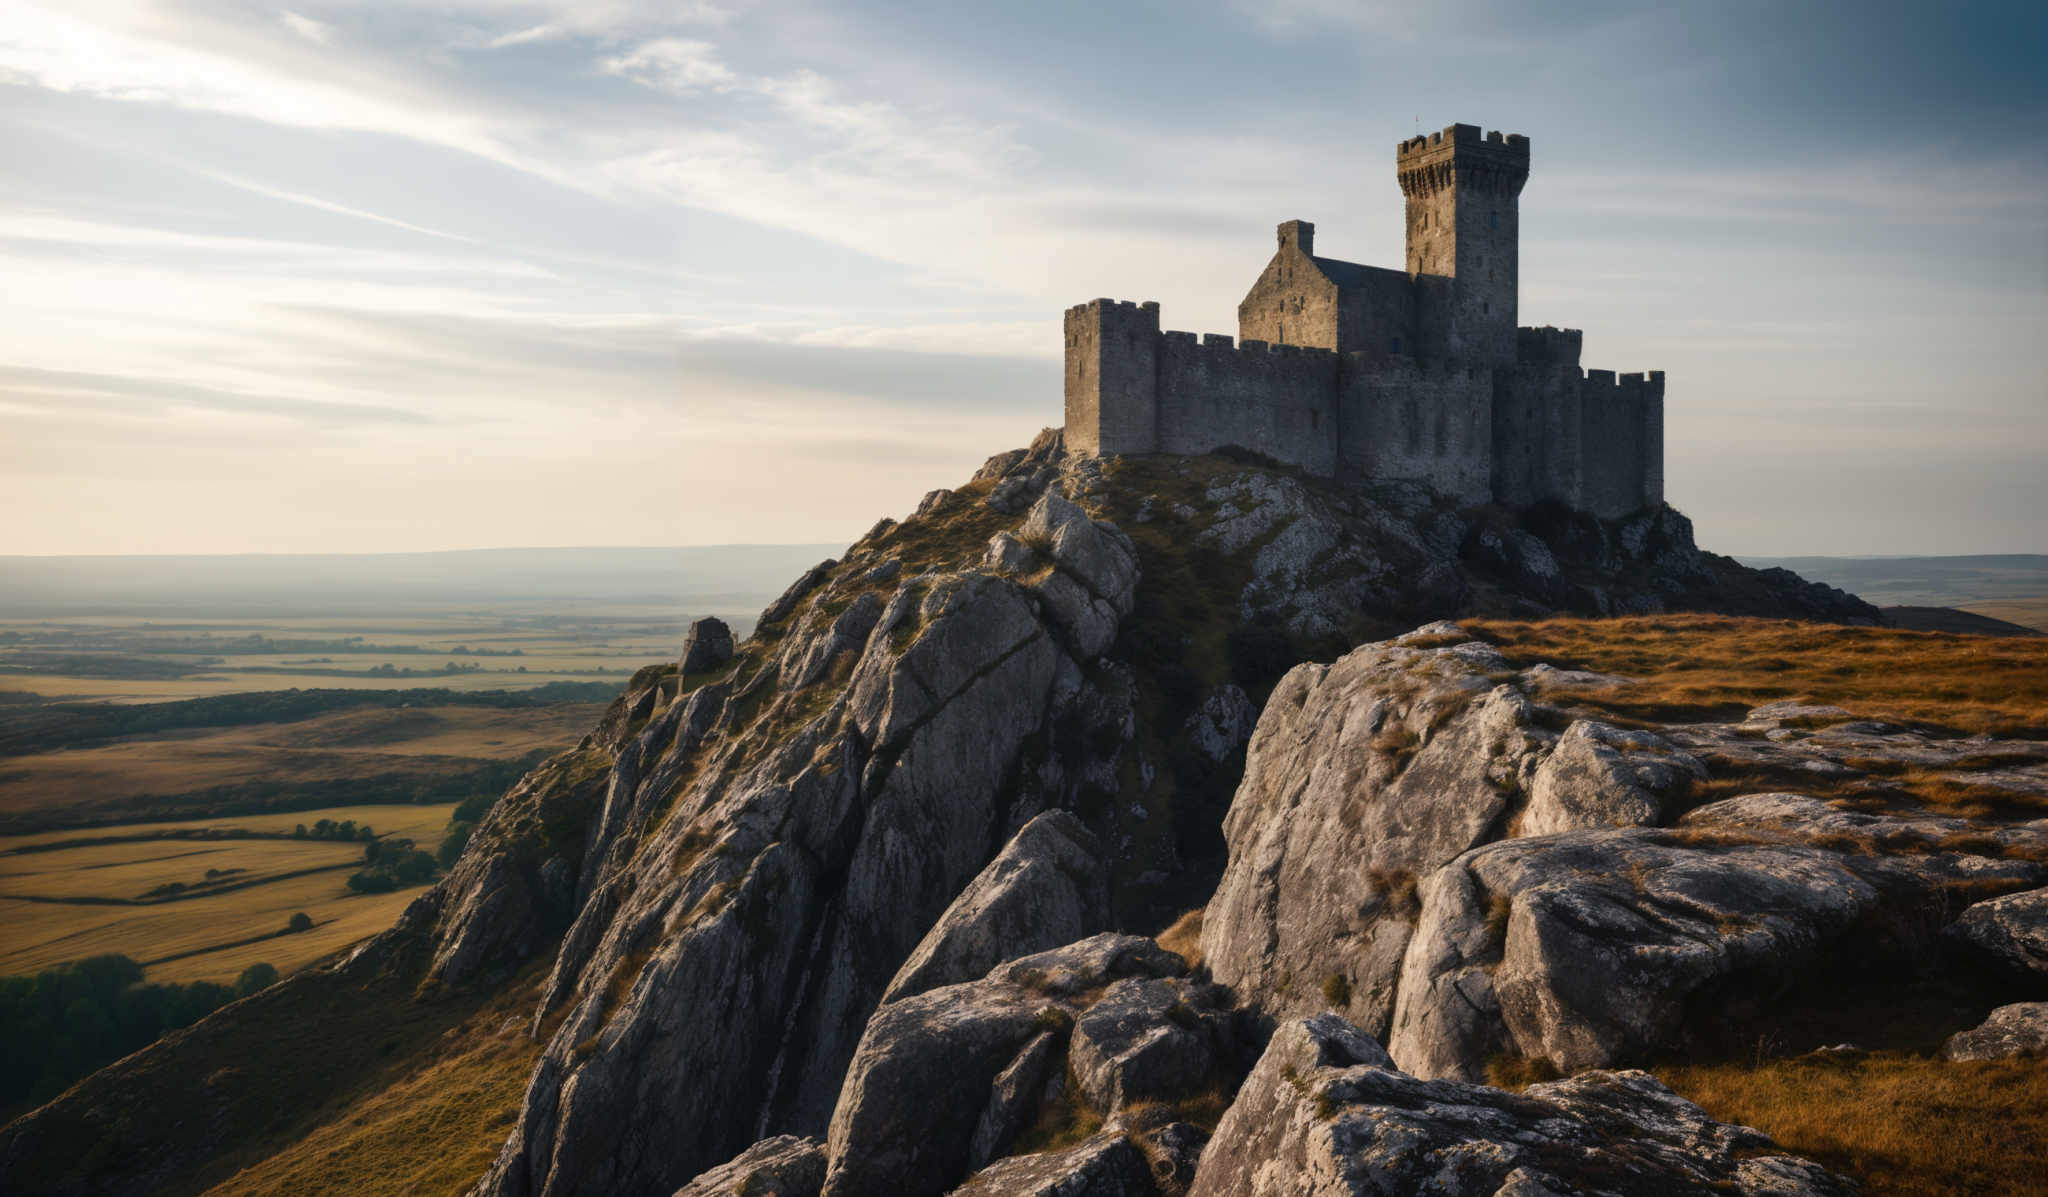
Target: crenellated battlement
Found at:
x=1462, y=157
x=1547, y=344
x=1361, y=374
x=1456, y=135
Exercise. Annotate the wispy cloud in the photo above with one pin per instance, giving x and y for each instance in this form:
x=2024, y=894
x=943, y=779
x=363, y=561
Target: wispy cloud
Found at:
x=318, y=32
x=30, y=390
x=675, y=65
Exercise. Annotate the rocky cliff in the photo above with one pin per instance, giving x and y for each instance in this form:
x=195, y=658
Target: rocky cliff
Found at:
x=848, y=907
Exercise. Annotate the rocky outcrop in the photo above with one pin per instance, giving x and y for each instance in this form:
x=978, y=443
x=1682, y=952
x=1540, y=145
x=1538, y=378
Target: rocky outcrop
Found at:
x=707, y=645
x=785, y=1166
x=2009, y=933
x=1599, y=775
x=778, y=851
x=946, y=1079
x=1584, y=948
x=1362, y=778
x=2020, y=1029
x=1048, y=887
x=1107, y=1165
x=1384, y=860
x=1321, y=555
x=1324, y=1112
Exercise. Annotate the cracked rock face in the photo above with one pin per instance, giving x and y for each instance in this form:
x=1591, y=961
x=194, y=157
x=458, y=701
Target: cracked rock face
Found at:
x=944, y=1080
x=1046, y=888
x=777, y=847
x=1362, y=778
x=1324, y=1113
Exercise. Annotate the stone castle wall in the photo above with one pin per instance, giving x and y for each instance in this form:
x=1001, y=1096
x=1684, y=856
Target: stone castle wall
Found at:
x=1536, y=430
x=1280, y=400
x=1429, y=422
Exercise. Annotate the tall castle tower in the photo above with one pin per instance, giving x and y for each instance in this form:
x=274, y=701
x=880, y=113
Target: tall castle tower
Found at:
x=1463, y=223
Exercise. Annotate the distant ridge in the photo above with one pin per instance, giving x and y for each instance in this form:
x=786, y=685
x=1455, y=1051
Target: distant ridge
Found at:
x=1949, y=619
x=1960, y=581
x=720, y=577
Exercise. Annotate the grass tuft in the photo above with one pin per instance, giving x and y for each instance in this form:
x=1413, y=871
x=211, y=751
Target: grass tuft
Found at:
x=1904, y=1125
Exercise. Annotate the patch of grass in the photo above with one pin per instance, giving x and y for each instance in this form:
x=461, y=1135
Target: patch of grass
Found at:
x=1710, y=666
x=1064, y=1119
x=1184, y=937
x=1396, y=888
x=432, y=1129
x=1497, y=913
x=1509, y=1071
x=1903, y=1125
x=1204, y=1109
x=1337, y=991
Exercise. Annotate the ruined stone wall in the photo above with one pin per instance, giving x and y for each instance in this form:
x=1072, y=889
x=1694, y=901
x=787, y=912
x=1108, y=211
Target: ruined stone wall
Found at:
x=1427, y=421
x=1280, y=400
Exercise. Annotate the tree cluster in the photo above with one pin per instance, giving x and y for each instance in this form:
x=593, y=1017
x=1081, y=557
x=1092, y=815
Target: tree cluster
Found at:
x=67, y=1021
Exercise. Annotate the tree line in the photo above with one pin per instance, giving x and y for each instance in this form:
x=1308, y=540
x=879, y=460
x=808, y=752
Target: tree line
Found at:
x=64, y=1022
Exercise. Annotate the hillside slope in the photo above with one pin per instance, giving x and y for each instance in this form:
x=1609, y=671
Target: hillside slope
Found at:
x=728, y=874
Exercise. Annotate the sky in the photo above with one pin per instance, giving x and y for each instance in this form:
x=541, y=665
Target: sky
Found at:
x=372, y=276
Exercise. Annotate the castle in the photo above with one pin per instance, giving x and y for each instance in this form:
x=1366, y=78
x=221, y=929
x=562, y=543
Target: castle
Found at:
x=1365, y=374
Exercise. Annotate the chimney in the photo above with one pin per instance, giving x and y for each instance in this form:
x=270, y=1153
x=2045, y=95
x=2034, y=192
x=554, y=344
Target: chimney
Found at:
x=1300, y=234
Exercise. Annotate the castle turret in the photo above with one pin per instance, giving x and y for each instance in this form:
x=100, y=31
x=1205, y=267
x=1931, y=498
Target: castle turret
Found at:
x=1463, y=222
x=1112, y=378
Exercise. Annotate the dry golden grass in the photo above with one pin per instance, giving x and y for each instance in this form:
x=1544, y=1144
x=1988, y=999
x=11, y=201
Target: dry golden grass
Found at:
x=422, y=823
x=41, y=934
x=1710, y=666
x=2031, y=613
x=132, y=870
x=91, y=689
x=1904, y=1125
x=1184, y=937
x=433, y=1131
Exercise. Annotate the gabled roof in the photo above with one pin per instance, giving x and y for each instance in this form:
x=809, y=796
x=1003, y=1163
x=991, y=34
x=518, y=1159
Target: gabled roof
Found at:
x=1351, y=275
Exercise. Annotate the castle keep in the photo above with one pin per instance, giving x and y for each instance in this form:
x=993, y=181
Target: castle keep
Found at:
x=1366, y=374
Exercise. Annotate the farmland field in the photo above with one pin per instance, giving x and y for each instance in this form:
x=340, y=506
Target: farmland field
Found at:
x=64, y=902
x=140, y=776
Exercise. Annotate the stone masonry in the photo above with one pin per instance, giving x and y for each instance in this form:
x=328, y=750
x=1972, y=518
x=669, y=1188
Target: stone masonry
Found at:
x=1366, y=374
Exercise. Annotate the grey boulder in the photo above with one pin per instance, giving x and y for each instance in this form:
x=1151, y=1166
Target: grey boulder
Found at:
x=2009, y=933
x=1107, y=1165
x=1046, y=888
x=944, y=1080
x=1600, y=775
x=1323, y=1114
x=784, y=1166
x=2020, y=1029
x=1361, y=778
x=1151, y=1039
